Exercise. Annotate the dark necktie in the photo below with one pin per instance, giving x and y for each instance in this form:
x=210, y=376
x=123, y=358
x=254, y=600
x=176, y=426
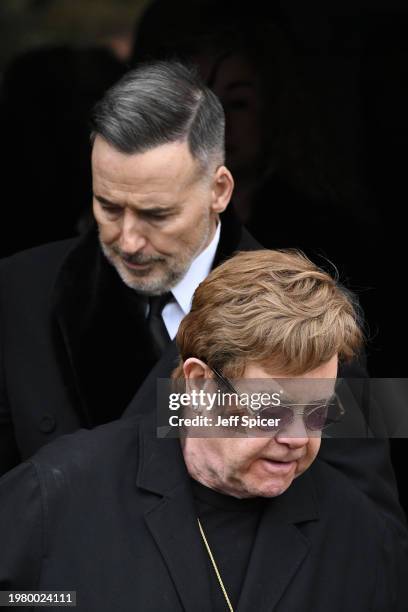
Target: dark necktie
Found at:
x=161, y=338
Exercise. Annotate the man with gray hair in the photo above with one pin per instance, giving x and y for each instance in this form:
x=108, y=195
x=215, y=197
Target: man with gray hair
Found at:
x=158, y=176
x=84, y=320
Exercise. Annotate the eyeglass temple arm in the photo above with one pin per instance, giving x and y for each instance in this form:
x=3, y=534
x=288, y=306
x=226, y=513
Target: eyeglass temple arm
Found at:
x=224, y=381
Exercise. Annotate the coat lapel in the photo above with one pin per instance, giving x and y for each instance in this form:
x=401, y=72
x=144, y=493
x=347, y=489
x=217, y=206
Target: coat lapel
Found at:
x=73, y=302
x=103, y=343
x=279, y=548
x=171, y=518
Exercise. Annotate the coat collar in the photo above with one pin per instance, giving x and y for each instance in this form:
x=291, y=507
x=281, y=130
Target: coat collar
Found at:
x=170, y=516
x=279, y=549
x=73, y=300
x=96, y=314
x=86, y=281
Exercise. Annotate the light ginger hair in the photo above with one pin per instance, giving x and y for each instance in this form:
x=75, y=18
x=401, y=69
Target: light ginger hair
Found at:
x=273, y=308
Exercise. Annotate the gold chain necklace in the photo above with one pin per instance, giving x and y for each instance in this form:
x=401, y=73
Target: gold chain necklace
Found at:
x=217, y=573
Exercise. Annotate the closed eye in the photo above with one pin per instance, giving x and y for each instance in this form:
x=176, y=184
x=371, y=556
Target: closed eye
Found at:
x=156, y=215
x=110, y=209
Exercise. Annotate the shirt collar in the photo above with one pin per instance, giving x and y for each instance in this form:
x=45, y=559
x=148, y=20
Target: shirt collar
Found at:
x=199, y=269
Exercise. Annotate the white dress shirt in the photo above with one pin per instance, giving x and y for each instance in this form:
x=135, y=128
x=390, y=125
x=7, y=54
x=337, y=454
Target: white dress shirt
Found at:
x=183, y=292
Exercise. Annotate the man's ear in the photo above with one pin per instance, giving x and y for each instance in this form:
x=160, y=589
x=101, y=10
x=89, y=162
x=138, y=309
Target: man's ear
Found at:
x=223, y=186
x=195, y=368
x=198, y=378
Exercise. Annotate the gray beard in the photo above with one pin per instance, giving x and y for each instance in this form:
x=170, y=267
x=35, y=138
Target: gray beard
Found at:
x=171, y=276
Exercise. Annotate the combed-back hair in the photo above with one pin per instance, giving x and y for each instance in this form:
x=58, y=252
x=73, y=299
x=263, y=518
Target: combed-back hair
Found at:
x=158, y=103
x=273, y=308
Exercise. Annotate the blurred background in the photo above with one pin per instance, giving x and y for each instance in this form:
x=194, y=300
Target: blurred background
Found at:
x=315, y=99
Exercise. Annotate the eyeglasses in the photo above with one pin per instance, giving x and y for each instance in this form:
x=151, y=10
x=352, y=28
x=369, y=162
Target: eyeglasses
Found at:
x=316, y=417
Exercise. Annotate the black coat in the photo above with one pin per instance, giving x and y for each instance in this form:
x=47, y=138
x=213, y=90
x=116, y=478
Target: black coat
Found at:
x=109, y=513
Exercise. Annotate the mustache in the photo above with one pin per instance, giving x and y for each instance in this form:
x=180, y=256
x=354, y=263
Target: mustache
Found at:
x=138, y=258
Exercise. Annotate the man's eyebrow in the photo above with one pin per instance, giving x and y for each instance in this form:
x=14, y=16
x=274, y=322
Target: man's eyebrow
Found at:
x=156, y=209
x=150, y=205
x=103, y=200
x=166, y=208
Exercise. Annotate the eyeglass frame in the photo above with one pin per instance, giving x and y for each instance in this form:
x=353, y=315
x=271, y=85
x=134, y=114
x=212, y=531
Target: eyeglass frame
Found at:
x=298, y=412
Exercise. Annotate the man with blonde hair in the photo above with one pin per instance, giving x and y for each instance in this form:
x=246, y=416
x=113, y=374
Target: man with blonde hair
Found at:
x=220, y=522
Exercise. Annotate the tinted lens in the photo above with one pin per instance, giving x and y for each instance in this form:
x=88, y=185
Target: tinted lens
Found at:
x=322, y=416
x=283, y=413
x=316, y=419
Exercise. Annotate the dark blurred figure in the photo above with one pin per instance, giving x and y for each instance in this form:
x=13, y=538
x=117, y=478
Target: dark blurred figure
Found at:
x=229, y=51
x=295, y=185
x=46, y=98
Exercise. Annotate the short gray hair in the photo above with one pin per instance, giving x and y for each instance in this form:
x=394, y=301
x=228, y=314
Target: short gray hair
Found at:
x=158, y=103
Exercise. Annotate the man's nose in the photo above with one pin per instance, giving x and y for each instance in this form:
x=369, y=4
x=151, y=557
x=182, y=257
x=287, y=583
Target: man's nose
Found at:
x=294, y=434
x=132, y=238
